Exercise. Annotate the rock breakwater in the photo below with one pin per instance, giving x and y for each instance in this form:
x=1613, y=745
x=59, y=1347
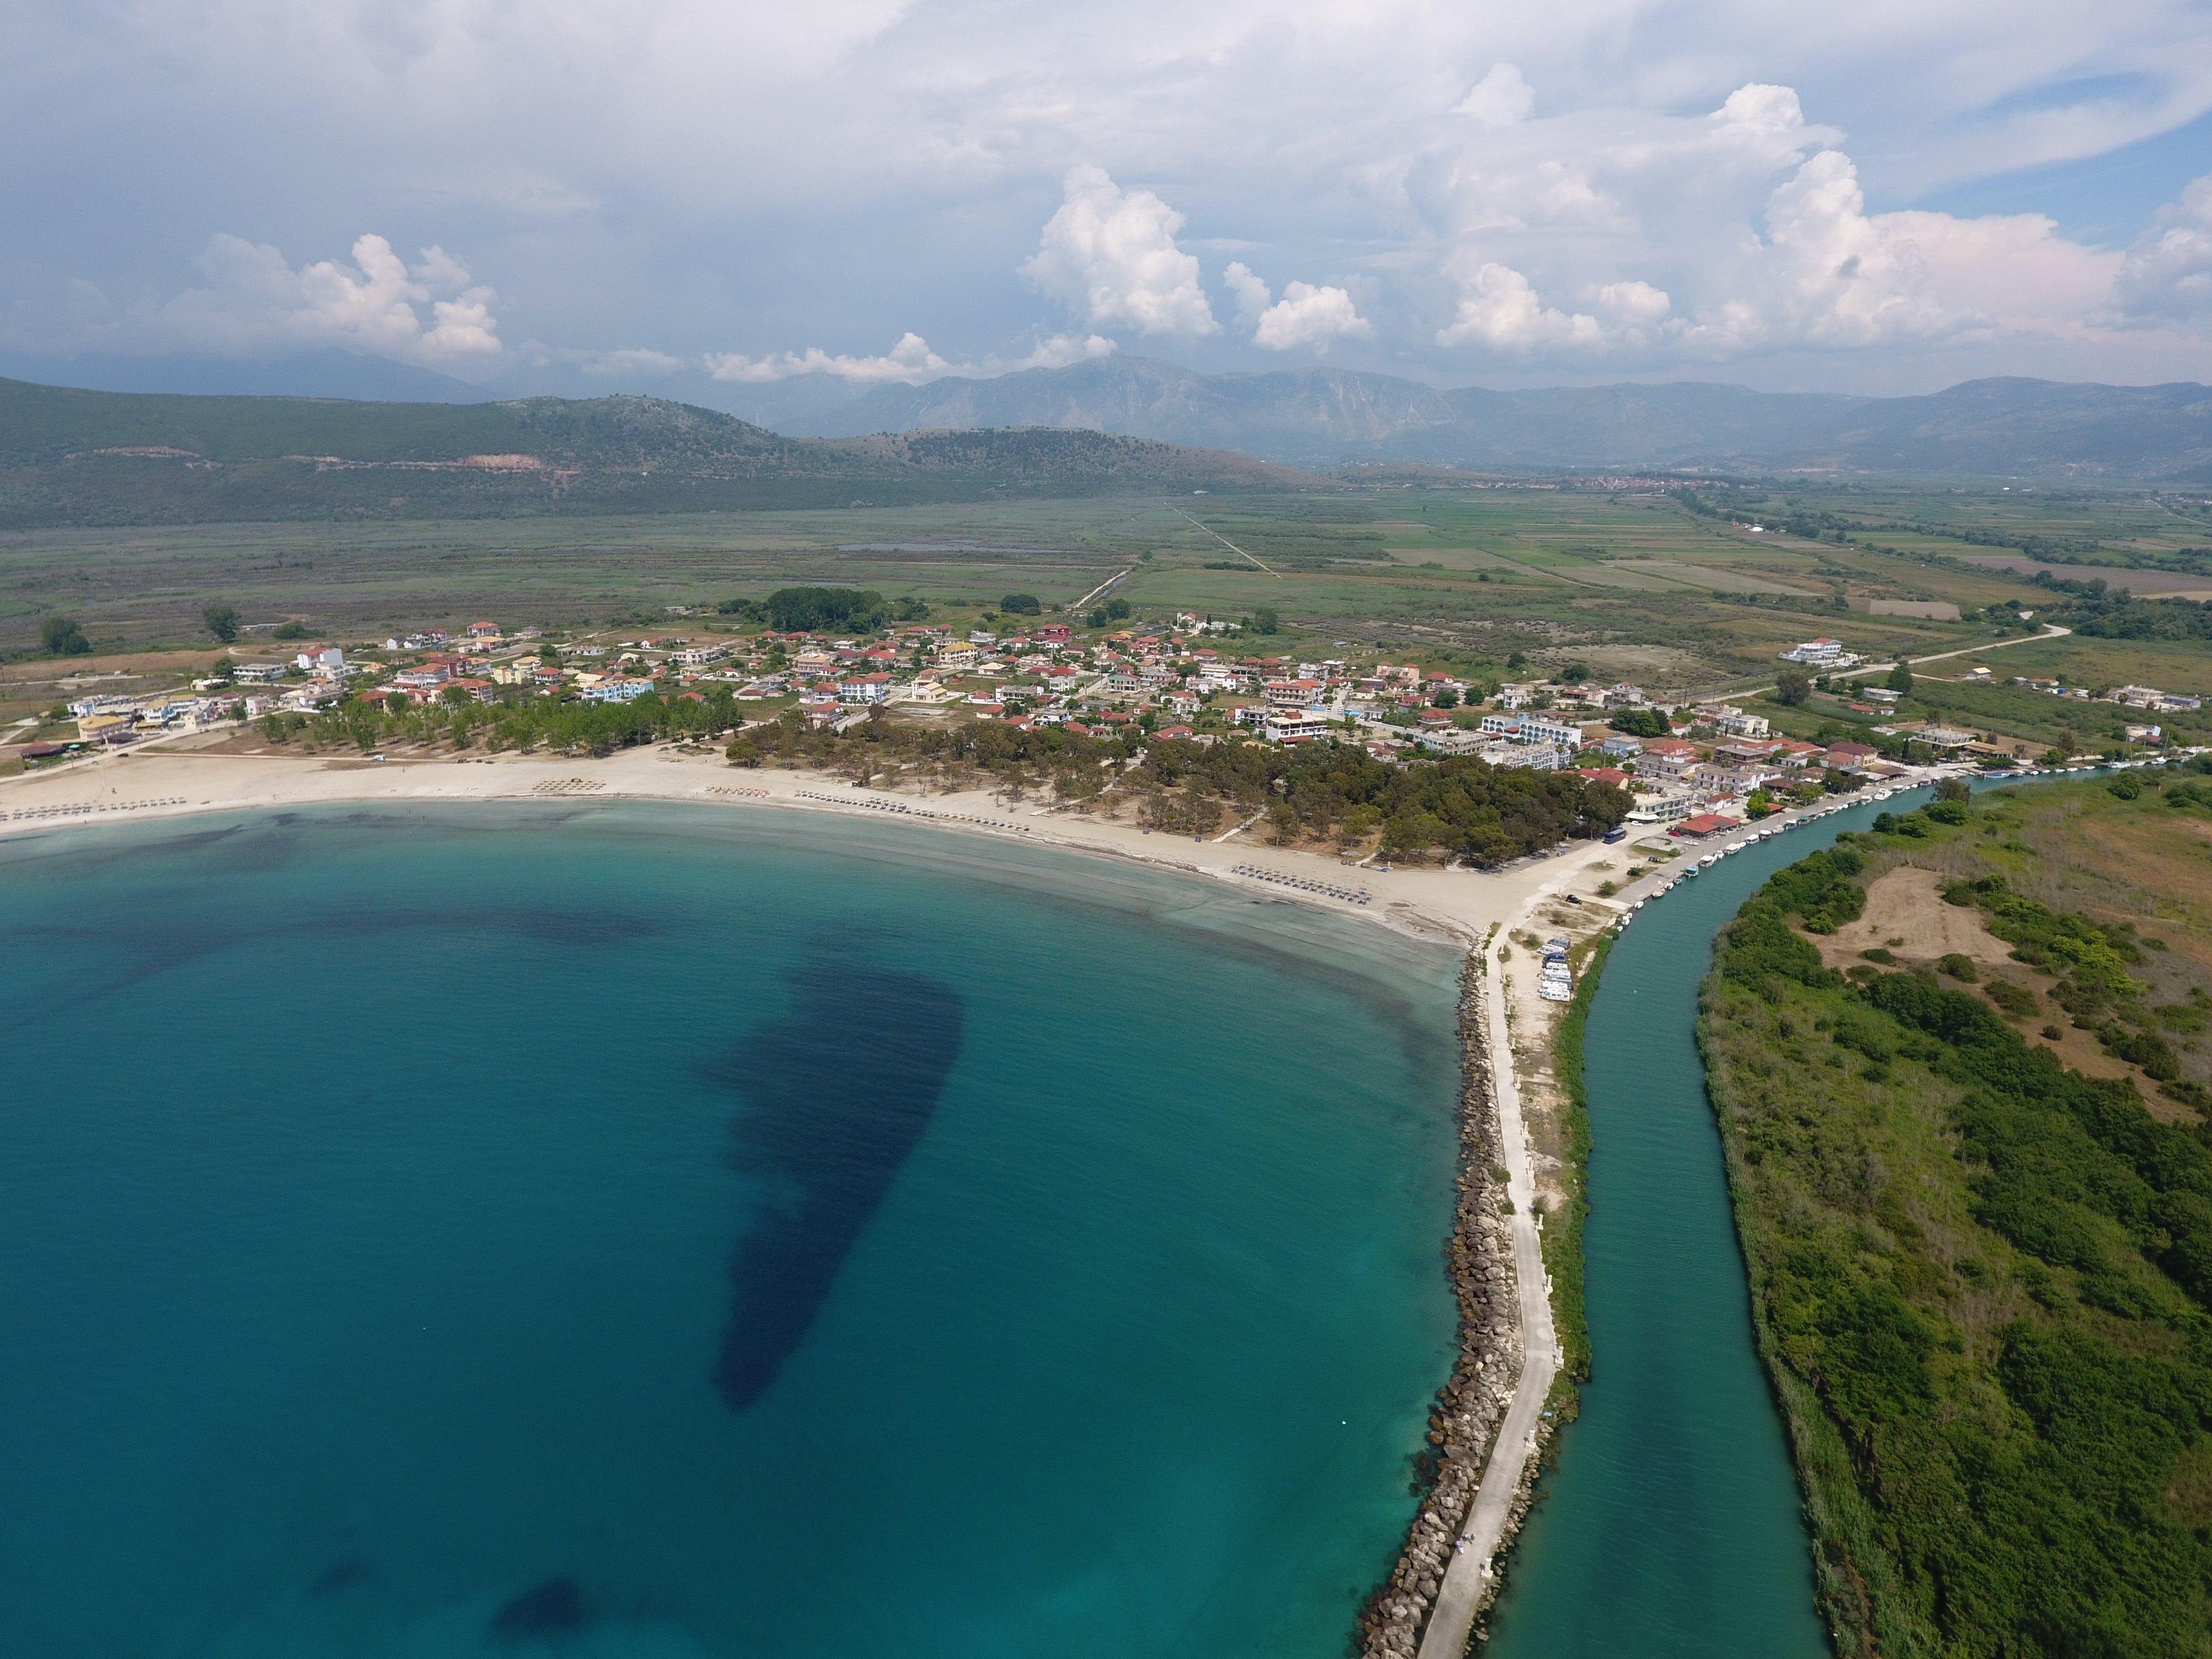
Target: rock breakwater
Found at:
x=1463, y=1422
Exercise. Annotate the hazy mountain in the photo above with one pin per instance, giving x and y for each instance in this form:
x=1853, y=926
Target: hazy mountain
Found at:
x=1319, y=416
x=69, y=456
x=331, y=374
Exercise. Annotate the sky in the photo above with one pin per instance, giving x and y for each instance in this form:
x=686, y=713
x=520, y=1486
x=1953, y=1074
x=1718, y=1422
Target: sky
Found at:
x=659, y=195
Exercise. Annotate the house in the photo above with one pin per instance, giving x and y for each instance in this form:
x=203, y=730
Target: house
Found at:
x=1532, y=728
x=1295, y=725
x=1668, y=757
x=321, y=659
x=1944, y=737
x=1706, y=823
x=866, y=689
x=483, y=633
x=1660, y=807
x=1735, y=723
x=1612, y=775
x=1454, y=741
x=616, y=690
x=955, y=653
x=1820, y=654
x=1850, y=754
x=1294, y=694
x=1621, y=746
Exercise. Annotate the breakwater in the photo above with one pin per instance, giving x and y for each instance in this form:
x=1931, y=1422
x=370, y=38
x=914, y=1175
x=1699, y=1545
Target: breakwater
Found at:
x=1463, y=1422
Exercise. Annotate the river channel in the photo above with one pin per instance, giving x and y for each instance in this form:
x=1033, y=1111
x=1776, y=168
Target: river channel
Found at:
x=1670, y=1524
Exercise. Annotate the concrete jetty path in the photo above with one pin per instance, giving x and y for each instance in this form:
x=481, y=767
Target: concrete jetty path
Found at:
x=1467, y=1578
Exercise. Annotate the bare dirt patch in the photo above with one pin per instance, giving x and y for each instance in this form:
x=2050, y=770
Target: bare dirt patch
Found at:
x=1907, y=904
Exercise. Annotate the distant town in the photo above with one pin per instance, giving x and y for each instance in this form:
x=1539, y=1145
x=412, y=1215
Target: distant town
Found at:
x=1699, y=765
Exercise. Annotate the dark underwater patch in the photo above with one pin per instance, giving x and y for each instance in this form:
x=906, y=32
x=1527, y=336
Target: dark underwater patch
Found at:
x=343, y=1576
x=838, y=1091
x=553, y=1609
x=163, y=934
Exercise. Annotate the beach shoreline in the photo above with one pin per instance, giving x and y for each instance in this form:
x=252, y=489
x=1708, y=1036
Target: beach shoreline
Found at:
x=1455, y=906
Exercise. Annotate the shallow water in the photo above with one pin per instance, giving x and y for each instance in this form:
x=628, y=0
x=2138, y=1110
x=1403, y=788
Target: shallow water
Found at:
x=674, y=1232
x=1670, y=1525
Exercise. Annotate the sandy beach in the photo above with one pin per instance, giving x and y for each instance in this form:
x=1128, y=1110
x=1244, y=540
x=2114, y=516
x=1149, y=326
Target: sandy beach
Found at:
x=178, y=778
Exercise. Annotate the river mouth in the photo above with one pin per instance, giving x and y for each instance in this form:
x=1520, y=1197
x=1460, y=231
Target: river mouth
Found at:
x=1670, y=1524
x=625, y=1231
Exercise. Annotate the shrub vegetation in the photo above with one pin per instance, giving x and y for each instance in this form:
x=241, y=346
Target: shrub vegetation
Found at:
x=1980, y=1283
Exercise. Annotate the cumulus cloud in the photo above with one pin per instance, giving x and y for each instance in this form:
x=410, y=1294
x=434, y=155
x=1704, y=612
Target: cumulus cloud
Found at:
x=910, y=359
x=253, y=302
x=1500, y=98
x=2168, y=272
x=1111, y=255
x=755, y=163
x=1498, y=307
x=1252, y=294
x=1741, y=231
x=1056, y=351
x=1305, y=316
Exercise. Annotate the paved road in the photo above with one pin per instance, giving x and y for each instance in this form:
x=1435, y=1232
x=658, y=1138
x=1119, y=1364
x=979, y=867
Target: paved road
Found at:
x=1469, y=1572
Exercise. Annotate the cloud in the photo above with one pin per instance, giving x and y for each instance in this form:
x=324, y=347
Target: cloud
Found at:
x=847, y=169
x=1111, y=255
x=910, y=359
x=1740, y=232
x=1252, y=295
x=1305, y=316
x=2168, y=272
x=1058, y=351
x=1498, y=307
x=253, y=303
x=1499, y=99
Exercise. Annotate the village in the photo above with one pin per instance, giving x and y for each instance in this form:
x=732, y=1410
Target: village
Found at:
x=1697, y=766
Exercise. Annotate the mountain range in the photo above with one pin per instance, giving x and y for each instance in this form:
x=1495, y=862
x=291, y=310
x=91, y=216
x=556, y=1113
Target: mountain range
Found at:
x=75, y=457
x=1329, y=417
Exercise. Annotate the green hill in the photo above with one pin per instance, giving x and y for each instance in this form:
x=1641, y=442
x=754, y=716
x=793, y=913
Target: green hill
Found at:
x=71, y=457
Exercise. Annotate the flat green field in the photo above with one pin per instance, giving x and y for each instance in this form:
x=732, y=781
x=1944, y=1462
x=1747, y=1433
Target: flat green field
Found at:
x=1633, y=584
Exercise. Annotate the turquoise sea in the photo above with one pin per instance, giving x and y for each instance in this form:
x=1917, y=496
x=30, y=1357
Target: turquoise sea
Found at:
x=635, y=1231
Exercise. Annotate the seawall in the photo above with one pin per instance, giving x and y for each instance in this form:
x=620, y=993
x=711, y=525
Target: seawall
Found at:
x=1463, y=1423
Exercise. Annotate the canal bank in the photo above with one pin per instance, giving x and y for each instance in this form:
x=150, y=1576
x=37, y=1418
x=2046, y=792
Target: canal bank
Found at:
x=1670, y=1522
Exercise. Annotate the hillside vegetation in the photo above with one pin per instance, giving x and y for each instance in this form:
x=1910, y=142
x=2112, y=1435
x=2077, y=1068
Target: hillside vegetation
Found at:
x=1975, y=1198
x=69, y=457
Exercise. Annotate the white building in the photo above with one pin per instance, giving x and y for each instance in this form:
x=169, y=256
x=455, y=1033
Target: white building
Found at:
x=1295, y=725
x=1533, y=729
x=1820, y=654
